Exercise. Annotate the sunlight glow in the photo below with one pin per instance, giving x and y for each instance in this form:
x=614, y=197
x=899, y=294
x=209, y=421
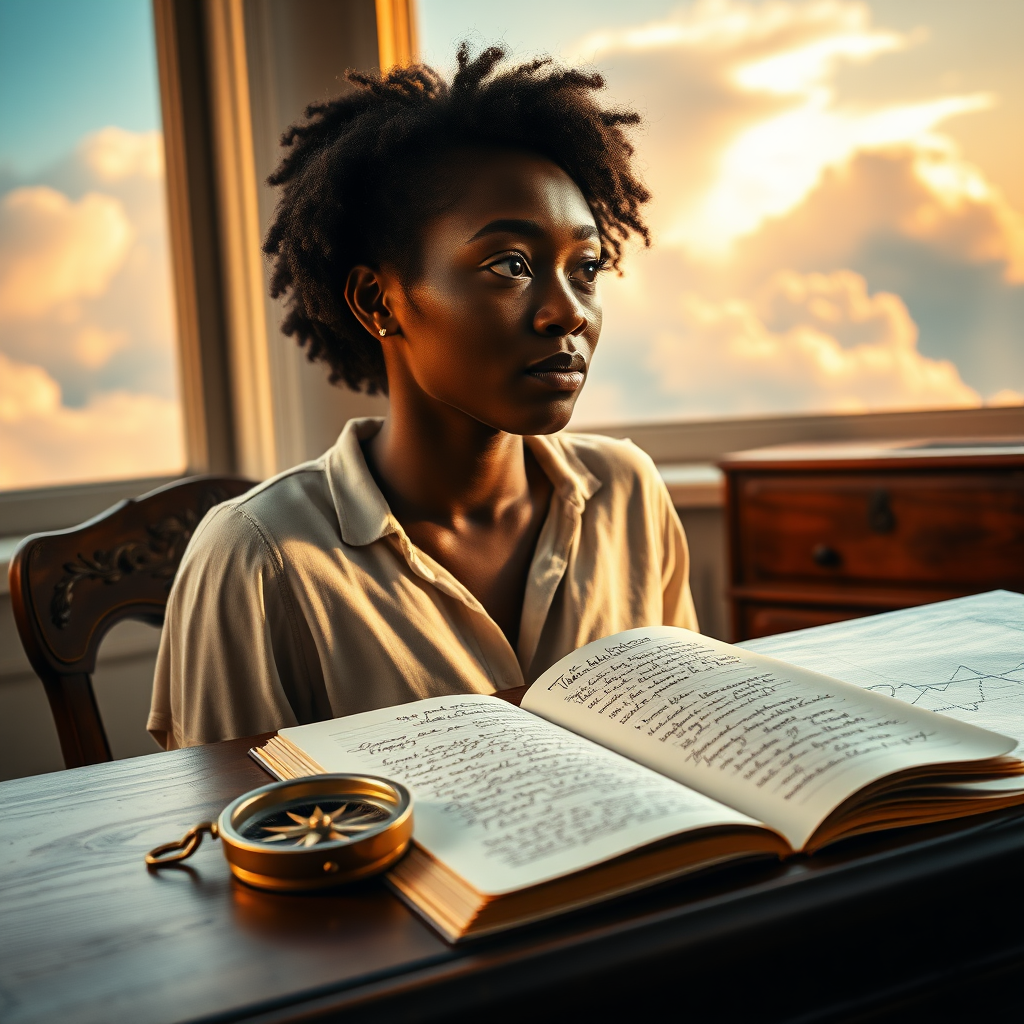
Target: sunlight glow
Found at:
x=792, y=73
x=769, y=169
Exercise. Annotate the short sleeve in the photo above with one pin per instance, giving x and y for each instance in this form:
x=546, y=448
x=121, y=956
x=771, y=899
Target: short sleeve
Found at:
x=225, y=639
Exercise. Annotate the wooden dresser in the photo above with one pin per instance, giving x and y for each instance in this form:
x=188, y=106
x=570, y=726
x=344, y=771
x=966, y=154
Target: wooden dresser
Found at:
x=833, y=531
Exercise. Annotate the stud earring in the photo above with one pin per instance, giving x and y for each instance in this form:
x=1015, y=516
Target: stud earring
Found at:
x=383, y=331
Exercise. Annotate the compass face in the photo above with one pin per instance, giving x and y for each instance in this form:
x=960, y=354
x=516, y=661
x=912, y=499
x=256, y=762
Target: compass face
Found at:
x=308, y=822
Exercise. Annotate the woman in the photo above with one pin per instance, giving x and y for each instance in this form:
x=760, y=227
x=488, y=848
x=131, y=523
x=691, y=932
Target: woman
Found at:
x=440, y=243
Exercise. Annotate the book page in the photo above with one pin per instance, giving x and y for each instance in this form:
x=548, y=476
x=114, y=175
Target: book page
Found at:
x=774, y=741
x=504, y=798
x=962, y=658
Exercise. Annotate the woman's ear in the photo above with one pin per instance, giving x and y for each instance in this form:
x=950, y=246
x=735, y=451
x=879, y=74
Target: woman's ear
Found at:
x=366, y=295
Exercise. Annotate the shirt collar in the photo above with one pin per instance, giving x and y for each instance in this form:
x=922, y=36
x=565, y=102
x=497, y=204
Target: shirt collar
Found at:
x=571, y=479
x=363, y=513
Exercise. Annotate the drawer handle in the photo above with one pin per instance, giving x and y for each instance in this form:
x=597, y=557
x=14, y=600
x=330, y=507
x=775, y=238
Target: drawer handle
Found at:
x=827, y=557
x=880, y=517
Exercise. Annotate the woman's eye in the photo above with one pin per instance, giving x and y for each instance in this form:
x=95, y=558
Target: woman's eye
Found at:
x=588, y=270
x=513, y=266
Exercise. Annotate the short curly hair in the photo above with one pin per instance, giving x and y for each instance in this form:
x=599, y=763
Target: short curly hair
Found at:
x=358, y=181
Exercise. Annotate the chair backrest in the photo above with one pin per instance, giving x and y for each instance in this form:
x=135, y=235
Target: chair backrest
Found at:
x=69, y=587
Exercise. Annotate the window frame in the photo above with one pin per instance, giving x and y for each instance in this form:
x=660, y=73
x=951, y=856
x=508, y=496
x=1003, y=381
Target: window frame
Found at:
x=234, y=421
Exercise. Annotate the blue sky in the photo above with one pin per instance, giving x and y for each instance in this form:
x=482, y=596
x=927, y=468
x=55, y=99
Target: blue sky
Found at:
x=103, y=48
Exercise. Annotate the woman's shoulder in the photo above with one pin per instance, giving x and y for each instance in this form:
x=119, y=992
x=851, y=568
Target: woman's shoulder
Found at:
x=256, y=525
x=616, y=462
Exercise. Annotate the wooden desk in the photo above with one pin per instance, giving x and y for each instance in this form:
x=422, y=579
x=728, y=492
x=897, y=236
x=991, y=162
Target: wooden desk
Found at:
x=927, y=923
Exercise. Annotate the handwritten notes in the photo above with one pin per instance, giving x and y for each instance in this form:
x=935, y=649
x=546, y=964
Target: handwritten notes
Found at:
x=505, y=798
x=769, y=739
x=756, y=726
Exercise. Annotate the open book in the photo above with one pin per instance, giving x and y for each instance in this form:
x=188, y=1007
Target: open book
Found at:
x=639, y=758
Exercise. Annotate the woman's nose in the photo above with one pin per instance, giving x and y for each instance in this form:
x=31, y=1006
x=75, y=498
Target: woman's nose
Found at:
x=560, y=313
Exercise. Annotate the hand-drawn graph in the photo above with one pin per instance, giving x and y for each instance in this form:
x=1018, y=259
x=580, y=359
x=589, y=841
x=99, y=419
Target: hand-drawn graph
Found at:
x=962, y=658
x=966, y=689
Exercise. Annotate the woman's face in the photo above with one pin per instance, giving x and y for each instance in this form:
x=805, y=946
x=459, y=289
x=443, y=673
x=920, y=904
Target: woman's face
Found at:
x=504, y=317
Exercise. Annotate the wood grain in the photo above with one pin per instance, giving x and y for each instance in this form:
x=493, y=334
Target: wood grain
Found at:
x=78, y=903
x=828, y=537
x=70, y=587
x=952, y=529
x=88, y=935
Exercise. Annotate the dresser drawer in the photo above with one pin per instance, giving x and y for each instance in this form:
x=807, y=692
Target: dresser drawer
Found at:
x=952, y=528
x=756, y=619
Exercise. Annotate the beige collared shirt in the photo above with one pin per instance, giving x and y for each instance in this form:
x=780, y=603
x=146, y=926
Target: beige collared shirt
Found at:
x=304, y=599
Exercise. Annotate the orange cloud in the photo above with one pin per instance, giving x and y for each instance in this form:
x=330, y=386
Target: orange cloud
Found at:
x=54, y=251
x=743, y=113
x=87, y=312
x=804, y=343
x=933, y=197
x=961, y=213
x=113, y=154
x=116, y=435
x=780, y=208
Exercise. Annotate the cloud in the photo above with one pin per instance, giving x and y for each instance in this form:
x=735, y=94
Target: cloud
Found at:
x=85, y=279
x=113, y=154
x=927, y=196
x=954, y=258
x=743, y=114
x=931, y=197
x=804, y=343
x=963, y=214
x=116, y=435
x=25, y=392
x=93, y=346
x=88, y=384
x=1006, y=397
x=815, y=342
x=54, y=251
x=811, y=252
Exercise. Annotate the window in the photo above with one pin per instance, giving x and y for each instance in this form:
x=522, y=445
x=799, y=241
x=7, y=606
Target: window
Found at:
x=88, y=380
x=838, y=188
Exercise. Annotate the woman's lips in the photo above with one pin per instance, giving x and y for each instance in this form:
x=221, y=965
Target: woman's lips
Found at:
x=561, y=371
x=558, y=380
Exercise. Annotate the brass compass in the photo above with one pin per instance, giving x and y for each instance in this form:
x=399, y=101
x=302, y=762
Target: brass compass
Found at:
x=306, y=833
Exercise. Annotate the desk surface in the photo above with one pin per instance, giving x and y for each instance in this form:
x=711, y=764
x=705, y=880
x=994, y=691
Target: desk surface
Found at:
x=87, y=934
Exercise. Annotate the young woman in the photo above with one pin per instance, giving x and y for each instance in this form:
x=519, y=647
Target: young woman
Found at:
x=441, y=243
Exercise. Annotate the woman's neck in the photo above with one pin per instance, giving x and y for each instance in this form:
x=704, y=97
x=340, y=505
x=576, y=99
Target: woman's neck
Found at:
x=469, y=496
x=440, y=466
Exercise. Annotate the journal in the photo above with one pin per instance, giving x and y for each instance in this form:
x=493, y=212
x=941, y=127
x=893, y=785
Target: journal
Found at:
x=639, y=758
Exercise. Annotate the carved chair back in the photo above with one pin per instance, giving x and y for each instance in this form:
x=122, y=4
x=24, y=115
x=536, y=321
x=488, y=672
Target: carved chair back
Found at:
x=69, y=587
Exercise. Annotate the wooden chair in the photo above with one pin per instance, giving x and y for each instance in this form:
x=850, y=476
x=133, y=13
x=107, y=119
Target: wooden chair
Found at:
x=69, y=587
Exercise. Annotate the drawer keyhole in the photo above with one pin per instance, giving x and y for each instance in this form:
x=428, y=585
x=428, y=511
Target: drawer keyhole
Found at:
x=880, y=517
x=827, y=557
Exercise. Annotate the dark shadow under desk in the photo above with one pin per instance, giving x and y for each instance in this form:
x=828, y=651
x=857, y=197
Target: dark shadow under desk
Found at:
x=925, y=924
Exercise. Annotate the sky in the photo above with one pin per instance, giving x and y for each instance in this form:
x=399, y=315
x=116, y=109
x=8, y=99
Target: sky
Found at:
x=68, y=68
x=838, y=196
x=88, y=382
x=838, y=214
